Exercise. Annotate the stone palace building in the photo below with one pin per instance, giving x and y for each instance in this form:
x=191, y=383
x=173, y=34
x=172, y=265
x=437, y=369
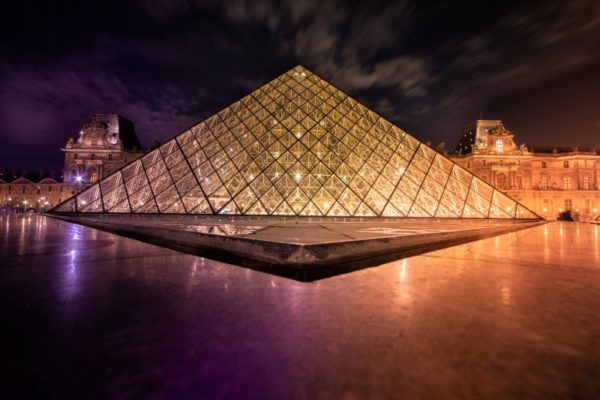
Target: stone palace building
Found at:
x=547, y=180
x=105, y=143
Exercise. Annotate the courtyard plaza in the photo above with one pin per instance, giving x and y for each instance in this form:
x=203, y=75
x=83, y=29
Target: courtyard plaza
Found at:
x=89, y=313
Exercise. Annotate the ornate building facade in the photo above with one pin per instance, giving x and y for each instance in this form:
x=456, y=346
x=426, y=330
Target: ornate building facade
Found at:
x=547, y=180
x=105, y=144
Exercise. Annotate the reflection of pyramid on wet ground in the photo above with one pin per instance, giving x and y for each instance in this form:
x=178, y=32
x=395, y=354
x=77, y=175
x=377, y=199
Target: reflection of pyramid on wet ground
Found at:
x=296, y=146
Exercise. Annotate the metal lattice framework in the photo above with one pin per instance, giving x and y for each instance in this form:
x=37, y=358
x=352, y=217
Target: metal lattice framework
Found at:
x=296, y=146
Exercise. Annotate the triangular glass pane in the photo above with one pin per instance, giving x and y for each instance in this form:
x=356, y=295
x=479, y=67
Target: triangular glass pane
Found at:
x=444, y=212
x=471, y=212
x=349, y=200
x=416, y=211
x=115, y=196
x=195, y=203
x=257, y=209
x=167, y=198
x=311, y=210
x=140, y=198
x=364, y=210
x=175, y=208
x=323, y=200
x=122, y=207
x=391, y=211
x=245, y=199
x=297, y=200
x=284, y=209
x=271, y=199
x=219, y=198
x=93, y=207
x=524, y=213
x=337, y=211
x=88, y=196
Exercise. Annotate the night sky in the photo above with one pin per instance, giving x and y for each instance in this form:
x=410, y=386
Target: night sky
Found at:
x=429, y=67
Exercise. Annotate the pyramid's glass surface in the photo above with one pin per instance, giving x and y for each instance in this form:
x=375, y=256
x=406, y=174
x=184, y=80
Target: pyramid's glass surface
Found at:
x=296, y=146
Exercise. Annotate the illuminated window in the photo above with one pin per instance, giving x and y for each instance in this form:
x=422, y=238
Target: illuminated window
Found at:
x=499, y=146
x=544, y=183
x=568, y=204
x=585, y=183
x=93, y=176
x=566, y=182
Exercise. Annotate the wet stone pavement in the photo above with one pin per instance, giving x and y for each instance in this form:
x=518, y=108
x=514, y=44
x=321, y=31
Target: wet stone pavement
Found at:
x=89, y=314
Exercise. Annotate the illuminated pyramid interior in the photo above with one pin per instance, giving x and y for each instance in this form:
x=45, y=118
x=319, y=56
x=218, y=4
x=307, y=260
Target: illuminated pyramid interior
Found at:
x=296, y=146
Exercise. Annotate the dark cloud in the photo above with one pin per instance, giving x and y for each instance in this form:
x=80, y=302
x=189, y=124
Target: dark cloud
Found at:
x=431, y=67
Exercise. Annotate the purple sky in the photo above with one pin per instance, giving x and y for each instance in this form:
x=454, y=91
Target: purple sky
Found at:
x=429, y=67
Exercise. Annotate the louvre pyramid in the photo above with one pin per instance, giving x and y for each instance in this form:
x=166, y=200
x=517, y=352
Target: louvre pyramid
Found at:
x=296, y=146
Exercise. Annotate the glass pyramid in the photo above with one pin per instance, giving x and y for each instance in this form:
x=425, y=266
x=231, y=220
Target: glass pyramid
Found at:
x=296, y=146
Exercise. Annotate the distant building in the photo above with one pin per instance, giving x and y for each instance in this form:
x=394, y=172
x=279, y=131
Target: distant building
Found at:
x=545, y=179
x=105, y=144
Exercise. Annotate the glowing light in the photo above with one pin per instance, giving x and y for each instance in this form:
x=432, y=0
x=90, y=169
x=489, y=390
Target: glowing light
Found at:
x=298, y=176
x=83, y=202
x=78, y=178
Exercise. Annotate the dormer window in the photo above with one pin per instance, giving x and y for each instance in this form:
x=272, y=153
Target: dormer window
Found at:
x=499, y=146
